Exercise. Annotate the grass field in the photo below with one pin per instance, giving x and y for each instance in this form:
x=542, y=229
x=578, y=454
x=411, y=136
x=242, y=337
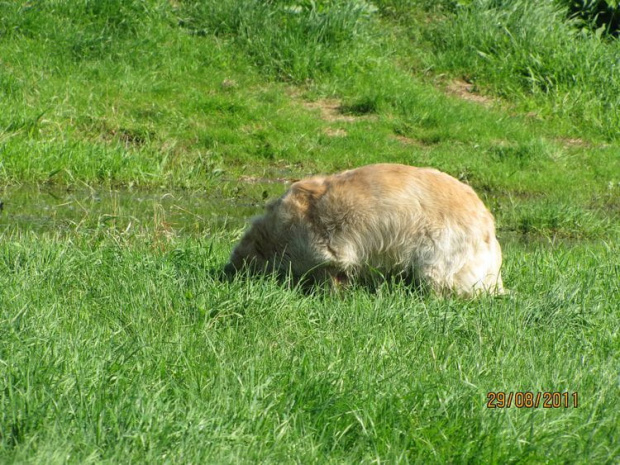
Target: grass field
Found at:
x=137, y=136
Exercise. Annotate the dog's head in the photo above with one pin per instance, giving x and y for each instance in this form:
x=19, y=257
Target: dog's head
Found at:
x=260, y=249
x=279, y=241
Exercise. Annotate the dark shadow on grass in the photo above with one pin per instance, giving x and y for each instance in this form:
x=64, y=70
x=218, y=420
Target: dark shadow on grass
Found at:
x=328, y=283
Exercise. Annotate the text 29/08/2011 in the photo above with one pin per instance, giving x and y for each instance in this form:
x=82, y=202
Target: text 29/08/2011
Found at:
x=528, y=399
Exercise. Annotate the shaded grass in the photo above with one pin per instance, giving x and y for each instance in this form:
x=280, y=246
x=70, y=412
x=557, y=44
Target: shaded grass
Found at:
x=137, y=351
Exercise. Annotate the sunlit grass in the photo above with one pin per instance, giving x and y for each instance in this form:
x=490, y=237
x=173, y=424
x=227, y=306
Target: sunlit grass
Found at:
x=154, y=129
x=137, y=350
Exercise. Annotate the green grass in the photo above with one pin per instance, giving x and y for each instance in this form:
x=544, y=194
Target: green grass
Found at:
x=136, y=137
x=526, y=52
x=133, y=349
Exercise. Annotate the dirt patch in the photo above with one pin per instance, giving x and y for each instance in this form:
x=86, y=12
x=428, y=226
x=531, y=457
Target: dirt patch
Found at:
x=260, y=180
x=330, y=110
x=335, y=132
x=467, y=91
x=570, y=142
x=409, y=141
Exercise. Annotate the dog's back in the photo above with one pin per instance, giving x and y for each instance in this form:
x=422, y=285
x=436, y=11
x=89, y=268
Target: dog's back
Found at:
x=392, y=219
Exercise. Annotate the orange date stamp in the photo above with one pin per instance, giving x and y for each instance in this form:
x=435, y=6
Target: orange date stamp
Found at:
x=528, y=399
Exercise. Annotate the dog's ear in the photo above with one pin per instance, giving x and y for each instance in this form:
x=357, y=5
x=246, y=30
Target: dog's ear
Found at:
x=313, y=187
x=304, y=194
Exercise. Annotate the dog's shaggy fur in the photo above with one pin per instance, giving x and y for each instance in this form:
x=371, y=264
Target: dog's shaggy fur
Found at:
x=384, y=219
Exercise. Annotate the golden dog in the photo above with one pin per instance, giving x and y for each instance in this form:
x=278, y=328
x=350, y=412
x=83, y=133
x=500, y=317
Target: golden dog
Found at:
x=384, y=219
